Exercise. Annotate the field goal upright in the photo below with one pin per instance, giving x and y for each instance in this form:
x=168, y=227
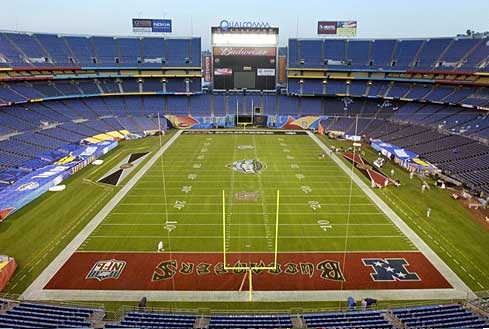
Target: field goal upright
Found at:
x=249, y=269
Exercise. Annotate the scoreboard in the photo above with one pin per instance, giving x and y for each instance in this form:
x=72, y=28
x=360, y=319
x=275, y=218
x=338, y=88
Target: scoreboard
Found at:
x=244, y=59
x=244, y=67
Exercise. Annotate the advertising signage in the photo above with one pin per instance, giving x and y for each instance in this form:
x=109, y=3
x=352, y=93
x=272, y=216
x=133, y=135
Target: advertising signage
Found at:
x=244, y=51
x=161, y=25
x=151, y=25
x=345, y=28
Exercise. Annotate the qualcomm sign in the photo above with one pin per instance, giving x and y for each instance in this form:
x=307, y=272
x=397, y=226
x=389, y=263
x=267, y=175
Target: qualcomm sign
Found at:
x=225, y=24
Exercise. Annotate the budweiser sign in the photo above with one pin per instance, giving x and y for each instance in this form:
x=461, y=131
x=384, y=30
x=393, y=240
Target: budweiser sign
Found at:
x=244, y=51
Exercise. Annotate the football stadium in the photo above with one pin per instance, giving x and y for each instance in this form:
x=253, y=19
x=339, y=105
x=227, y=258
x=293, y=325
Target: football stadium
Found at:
x=177, y=166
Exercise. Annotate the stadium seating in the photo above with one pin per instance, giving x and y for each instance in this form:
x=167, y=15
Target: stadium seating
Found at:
x=34, y=315
x=45, y=50
x=140, y=319
x=459, y=156
x=361, y=319
x=448, y=54
x=250, y=321
x=439, y=316
x=31, y=315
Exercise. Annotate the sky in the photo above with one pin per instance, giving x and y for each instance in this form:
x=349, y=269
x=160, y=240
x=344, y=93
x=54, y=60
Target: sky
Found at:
x=295, y=18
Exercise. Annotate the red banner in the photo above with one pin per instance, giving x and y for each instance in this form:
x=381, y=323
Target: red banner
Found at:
x=207, y=68
x=7, y=271
x=327, y=27
x=245, y=51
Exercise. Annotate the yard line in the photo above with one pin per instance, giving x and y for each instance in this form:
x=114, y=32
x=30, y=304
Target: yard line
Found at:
x=241, y=213
x=285, y=195
x=264, y=188
x=243, y=224
x=246, y=204
x=252, y=237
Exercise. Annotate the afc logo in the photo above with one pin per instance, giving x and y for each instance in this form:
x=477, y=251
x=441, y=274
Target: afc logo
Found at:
x=106, y=269
x=390, y=269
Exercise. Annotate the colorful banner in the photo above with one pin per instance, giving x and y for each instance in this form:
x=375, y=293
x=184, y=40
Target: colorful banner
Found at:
x=403, y=157
x=345, y=28
x=295, y=122
x=245, y=51
x=228, y=121
x=29, y=187
x=206, y=122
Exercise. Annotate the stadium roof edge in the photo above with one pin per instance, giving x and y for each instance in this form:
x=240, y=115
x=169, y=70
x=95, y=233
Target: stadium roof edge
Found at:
x=397, y=39
x=107, y=36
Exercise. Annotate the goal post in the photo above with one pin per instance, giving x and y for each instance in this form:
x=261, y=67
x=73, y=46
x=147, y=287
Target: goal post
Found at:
x=249, y=269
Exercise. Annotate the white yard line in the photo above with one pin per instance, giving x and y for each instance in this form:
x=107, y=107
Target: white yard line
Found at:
x=35, y=289
x=459, y=286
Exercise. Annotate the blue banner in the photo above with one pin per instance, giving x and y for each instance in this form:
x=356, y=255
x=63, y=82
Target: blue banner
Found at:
x=161, y=25
x=19, y=189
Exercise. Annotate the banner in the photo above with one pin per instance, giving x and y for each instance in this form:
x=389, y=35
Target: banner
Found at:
x=151, y=25
x=245, y=51
x=205, y=122
x=7, y=269
x=141, y=25
x=282, y=69
x=265, y=72
x=161, y=25
x=327, y=27
x=346, y=28
x=207, y=60
x=223, y=71
x=20, y=192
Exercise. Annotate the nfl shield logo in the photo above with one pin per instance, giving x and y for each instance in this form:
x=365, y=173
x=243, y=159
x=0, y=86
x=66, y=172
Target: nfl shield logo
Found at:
x=106, y=269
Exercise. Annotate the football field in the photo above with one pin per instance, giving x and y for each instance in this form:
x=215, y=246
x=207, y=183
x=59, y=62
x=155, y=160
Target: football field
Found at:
x=221, y=204
x=179, y=201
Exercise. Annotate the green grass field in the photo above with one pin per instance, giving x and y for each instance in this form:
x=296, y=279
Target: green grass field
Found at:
x=38, y=232
x=291, y=164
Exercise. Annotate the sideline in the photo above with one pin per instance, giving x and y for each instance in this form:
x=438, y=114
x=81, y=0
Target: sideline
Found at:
x=461, y=289
x=34, y=291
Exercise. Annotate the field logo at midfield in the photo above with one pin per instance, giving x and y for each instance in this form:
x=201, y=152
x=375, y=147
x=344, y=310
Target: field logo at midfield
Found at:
x=106, y=269
x=390, y=269
x=250, y=166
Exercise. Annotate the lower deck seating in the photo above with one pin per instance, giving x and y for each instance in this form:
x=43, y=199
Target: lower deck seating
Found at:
x=250, y=321
x=361, y=319
x=155, y=320
x=30, y=315
x=440, y=316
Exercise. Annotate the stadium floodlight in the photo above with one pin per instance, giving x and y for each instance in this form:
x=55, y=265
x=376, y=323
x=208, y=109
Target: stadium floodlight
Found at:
x=242, y=39
x=249, y=269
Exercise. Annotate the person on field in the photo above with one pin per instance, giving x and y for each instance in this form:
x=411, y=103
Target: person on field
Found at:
x=161, y=247
x=428, y=212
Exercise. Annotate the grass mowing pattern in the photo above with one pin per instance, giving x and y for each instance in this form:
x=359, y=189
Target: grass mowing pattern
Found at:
x=293, y=166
